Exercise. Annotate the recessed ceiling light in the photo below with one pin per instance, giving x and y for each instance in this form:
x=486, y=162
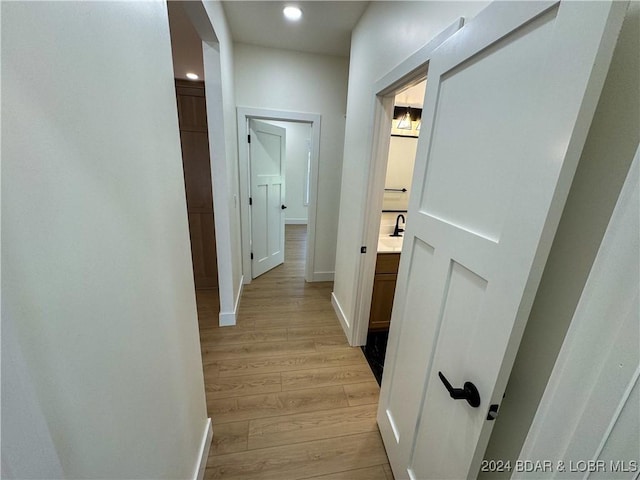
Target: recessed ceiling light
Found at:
x=192, y=76
x=292, y=13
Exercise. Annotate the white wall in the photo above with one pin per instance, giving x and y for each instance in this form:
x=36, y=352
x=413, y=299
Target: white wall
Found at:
x=310, y=83
x=387, y=34
x=97, y=270
x=609, y=149
x=27, y=447
x=297, y=152
x=221, y=115
x=400, y=163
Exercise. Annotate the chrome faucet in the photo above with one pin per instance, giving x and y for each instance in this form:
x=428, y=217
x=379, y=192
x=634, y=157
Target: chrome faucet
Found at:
x=397, y=230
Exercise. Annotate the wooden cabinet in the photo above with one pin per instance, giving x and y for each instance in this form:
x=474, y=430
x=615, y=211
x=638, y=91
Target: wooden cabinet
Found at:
x=192, y=117
x=384, y=287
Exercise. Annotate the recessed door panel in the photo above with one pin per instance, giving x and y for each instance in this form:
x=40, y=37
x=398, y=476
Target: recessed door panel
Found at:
x=443, y=427
x=478, y=130
x=413, y=357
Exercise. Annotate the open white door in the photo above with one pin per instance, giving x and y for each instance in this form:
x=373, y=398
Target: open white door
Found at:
x=508, y=105
x=267, y=167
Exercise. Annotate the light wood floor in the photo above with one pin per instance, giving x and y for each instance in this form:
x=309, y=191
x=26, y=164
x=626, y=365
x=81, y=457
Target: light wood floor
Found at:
x=288, y=397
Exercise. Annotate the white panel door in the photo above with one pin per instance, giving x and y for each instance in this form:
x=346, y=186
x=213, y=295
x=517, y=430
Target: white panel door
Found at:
x=267, y=153
x=508, y=104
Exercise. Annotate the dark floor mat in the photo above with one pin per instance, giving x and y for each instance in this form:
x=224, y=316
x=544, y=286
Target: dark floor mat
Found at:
x=375, y=350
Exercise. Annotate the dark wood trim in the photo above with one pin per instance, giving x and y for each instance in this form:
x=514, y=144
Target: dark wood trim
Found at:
x=193, y=88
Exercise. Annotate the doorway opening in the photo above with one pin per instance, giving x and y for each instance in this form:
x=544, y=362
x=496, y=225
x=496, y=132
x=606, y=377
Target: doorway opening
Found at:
x=198, y=44
x=279, y=165
x=408, y=73
x=403, y=143
x=186, y=46
x=301, y=177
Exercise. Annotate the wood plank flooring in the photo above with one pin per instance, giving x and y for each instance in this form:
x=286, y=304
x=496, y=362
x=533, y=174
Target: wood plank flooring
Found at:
x=288, y=397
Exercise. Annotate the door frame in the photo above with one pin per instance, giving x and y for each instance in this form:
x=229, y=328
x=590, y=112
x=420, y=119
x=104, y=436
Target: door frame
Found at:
x=409, y=72
x=219, y=152
x=582, y=386
x=244, y=114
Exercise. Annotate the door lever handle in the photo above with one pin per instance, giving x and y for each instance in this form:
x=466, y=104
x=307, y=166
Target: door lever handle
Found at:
x=469, y=392
x=283, y=207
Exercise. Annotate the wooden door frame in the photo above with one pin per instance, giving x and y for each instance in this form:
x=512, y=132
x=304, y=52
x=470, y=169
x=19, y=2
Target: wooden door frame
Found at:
x=409, y=72
x=244, y=114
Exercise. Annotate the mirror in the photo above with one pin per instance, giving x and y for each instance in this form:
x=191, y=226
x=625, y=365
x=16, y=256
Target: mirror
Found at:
x=405, y=128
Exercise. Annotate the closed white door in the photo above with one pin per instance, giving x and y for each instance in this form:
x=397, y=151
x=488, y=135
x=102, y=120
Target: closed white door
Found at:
x=267, y=152
x=508, y=105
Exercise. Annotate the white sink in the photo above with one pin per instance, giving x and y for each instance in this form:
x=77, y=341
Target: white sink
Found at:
x=389, y=244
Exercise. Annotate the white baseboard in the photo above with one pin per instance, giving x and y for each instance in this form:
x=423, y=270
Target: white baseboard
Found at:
x=323, y=276
x=296, y=221
x=228, y=319
x=201, y=464
x=341, y=316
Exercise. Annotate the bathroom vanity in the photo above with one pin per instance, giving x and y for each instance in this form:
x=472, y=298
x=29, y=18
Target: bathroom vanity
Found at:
x=384, y=283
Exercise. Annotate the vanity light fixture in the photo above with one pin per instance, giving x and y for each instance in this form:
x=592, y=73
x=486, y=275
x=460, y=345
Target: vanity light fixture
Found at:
x=405, y=121
x=192, y=76
x=292, y=13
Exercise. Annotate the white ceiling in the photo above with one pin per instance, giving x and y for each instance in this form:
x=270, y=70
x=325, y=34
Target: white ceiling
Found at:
x=325, y=26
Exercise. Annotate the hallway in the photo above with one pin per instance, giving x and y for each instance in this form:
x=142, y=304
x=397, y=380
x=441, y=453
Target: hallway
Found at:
x=289, y=399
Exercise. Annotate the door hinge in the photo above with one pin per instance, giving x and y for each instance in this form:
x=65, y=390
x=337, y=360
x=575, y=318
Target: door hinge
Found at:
x=251, y=255
x=250, y=201
x=363, y=249
x=248, y=138
x=492, y=414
